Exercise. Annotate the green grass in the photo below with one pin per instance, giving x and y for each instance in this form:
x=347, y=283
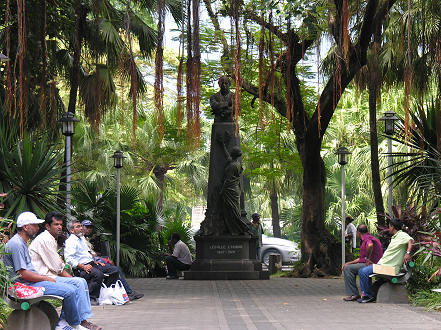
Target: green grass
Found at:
x=429, y=299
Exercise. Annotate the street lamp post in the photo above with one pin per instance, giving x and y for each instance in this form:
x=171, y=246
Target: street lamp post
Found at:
x=389, y=119
x=118, y=157
x=342, y=154
x=67, y=120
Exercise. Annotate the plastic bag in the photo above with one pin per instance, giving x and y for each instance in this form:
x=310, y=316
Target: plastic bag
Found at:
x=113, y=295
x=23, y=291
x=105, y=297
x=119, y=286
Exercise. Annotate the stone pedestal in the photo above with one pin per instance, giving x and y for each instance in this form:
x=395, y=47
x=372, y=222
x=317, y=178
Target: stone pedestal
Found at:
x=226, y=258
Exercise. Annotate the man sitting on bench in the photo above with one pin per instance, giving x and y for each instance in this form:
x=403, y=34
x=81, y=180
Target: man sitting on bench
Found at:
x=75, y=310
x=77, y=255
x=397, y=253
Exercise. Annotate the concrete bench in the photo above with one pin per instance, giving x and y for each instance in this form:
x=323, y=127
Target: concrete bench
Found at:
x=392, y=289
x=32, y=314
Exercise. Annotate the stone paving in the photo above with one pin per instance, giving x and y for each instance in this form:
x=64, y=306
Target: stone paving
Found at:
x=280, y=303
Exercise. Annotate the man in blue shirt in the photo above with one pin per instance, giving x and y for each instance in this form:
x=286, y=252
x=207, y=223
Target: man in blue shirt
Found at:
x=73, y=315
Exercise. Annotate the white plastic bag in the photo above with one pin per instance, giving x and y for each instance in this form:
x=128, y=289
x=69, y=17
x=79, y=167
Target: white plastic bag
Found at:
x=119, y=286
x=116, y=295
x=105, y=297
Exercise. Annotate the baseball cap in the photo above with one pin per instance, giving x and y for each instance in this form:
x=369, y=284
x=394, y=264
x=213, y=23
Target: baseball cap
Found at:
x=27, y=218
x=87, y=223
x=255, y=216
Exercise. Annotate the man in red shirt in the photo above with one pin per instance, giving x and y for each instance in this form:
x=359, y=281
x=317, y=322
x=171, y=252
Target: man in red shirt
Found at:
x=370, y=252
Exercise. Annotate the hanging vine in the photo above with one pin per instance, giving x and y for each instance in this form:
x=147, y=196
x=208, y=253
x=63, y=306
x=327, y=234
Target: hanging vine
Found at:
x=159, y=72
x=44, y=66
x=261, y=71
x=238, y=78
x=8, y=64
x=133, y=73
x=189, y=104
x=21, y=52
x=345, y=25
x=196, y=75
x=289, y=94
x=180, y=78
x=319, y=125
x=407, y=75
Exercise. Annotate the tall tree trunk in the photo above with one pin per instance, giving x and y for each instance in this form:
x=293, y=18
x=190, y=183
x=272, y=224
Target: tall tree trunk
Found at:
x=374, y=86
x=76, y=66
x=275, y=211
x=320, y=250
x=375, y=166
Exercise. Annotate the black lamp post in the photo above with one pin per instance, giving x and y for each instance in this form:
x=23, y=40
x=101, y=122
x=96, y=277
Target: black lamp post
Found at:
x=68, y=128
x=389, y=119
x=118, y=157
x=342, y=154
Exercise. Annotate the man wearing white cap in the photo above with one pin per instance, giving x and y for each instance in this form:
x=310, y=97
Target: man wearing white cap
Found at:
x=19, y=261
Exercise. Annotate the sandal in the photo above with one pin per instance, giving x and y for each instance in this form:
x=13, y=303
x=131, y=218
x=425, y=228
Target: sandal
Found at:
x=90, y=325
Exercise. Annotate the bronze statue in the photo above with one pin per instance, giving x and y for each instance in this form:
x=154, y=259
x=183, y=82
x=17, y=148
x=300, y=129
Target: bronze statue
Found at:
x=222, y=102
x=231, y=190
x=225, y=214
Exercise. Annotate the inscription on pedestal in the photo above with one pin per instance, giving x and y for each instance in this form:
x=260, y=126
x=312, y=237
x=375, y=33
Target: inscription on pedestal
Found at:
x=226, y=250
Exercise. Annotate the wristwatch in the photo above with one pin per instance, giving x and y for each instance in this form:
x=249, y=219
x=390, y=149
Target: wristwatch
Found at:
x=408, y=252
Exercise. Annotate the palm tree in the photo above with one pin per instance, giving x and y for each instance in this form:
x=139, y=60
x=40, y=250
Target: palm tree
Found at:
x=419, y=168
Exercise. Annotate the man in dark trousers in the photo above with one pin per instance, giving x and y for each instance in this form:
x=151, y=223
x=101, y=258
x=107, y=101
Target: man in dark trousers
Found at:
x=77, y=255
x=180, y=259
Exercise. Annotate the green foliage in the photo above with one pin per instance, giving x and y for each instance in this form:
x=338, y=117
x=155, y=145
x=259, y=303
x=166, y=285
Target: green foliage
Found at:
x=5, y=310
x=175, y=222
x=139, y=250
x=5, y=282
x=429, y=299
x=419, y=281
x=30, y=171
x=419, y=167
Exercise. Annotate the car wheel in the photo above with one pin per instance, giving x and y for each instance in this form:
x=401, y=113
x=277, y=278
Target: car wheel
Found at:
x=266, y=254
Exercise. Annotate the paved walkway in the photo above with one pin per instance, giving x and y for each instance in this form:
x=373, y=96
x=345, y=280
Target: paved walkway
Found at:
x=280, y=303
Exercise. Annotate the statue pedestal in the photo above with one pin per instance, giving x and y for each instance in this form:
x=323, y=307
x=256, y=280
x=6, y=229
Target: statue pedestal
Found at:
x=226, y=258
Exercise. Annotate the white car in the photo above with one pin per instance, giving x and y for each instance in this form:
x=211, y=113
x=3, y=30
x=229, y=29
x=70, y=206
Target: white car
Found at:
x=289, y=250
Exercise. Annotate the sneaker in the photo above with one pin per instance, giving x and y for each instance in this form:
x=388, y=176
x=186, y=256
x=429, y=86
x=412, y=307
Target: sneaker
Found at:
x=135, y=295
x=366, y=299
x=63, y=325
x=80, y=327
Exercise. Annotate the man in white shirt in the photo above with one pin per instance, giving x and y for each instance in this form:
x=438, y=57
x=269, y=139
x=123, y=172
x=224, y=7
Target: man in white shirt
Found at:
x=351, y=233
x=180, y=259
x=77, y=255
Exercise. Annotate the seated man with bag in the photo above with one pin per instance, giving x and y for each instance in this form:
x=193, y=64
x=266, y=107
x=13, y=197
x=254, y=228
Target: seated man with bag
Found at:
x=397, y=253
x=77, y=255
x=88, y=231
x=76, y=306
